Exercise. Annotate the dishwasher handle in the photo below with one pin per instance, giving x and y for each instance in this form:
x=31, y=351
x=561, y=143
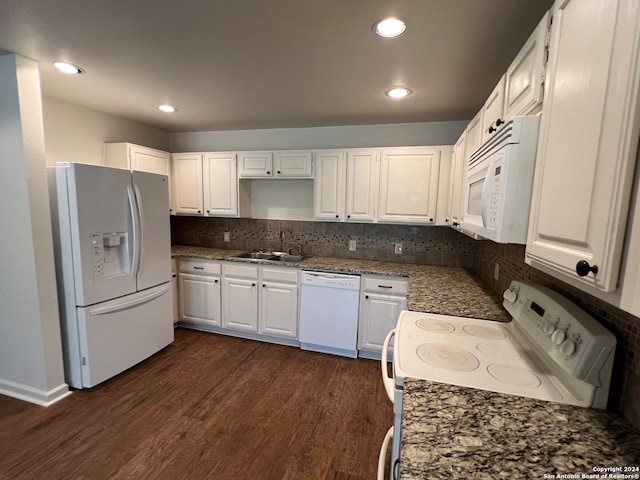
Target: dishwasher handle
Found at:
x=388, y=381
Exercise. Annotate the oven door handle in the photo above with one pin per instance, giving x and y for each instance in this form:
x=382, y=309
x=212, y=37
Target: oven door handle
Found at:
x=389, y=383
x=382, y=458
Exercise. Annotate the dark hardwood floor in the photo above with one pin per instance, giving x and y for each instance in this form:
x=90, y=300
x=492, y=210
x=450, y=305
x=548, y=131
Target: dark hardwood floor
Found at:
x=207, y=407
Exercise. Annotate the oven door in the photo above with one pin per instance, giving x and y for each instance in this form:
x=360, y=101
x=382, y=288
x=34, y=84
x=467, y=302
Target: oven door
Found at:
x=484, y=194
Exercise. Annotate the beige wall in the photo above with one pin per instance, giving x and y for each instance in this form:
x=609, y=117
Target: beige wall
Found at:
x=77, y=134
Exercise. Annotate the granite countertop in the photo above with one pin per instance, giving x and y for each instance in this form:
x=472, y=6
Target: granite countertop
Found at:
x=456, y=432
x=442, y=290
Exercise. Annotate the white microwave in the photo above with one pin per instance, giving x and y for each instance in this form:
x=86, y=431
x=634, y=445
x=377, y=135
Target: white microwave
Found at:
x=499, y=181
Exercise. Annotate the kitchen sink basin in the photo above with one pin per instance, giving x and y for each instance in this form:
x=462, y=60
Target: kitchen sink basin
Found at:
x=273, y=256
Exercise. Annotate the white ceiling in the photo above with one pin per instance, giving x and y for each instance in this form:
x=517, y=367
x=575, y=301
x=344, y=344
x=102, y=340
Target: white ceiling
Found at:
x=240, y=64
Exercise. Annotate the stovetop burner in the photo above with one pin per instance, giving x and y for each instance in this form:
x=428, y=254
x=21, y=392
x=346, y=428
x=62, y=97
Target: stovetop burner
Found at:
x=481, y=331
x=435, y=326
x=499, y=351
x=514, y=375
x=449, y=357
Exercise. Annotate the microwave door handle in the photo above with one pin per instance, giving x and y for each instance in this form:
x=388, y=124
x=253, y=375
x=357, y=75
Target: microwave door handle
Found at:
x=487, y=190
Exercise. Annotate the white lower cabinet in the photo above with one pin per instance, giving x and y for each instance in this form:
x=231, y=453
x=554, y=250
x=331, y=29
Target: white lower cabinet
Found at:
x=175, y=290
x=279, y=302
x=381, y=301
x=240, y=298
x=199, y=292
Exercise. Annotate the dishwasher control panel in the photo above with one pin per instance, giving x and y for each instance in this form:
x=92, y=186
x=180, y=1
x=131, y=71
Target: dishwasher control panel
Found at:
x=331, y=280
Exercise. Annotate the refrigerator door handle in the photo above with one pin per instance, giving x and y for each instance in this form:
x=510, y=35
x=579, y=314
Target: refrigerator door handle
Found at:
x=135, y=258
x=130, y=303
x=140, y=227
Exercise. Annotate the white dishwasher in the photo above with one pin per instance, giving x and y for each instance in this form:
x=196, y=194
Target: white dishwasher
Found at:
x=329, y=313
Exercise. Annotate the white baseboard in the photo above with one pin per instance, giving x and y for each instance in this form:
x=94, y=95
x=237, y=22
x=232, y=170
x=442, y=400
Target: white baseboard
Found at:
x=34, y=395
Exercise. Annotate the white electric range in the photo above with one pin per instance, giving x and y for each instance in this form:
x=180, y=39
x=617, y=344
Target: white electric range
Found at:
x=551, y=350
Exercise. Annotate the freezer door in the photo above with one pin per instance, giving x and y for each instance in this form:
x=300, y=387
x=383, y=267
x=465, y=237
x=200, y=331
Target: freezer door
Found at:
x=99, y=220
x=152, y=193
x=118, y=334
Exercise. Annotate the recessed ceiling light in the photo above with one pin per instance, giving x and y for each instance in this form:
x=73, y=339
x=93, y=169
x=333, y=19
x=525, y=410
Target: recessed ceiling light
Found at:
x=167, y=108
x=390, y=27
x=398, y=92
x=67, y=68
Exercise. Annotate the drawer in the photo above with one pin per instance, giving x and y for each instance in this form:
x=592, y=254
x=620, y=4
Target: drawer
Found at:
x=242, y=271
x=284, y=275
x=199, y=266
x=390, y=285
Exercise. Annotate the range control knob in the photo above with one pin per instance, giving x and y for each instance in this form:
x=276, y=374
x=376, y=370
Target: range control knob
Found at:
x=568, y=347
x=558, y=336
x=510, y=295
x=549, y=328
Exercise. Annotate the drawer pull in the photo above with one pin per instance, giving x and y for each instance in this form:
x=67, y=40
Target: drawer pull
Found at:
x=385, y=286
x=198, y=268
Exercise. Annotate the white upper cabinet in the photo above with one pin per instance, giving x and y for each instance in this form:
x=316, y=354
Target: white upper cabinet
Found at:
x=255, y=164
x=293, y=164
x=283, y=164
x=187, y=183
x=362, y=185
x=409, y=180
x=457, y=175
x=525, y=76
x=136, y=157
x=473, y=136
x=220, y=184
x=493, y=111
x=588, y=142
x=329, y=185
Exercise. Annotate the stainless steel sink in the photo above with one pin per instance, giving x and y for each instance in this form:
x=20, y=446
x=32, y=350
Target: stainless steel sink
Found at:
x=273, y=256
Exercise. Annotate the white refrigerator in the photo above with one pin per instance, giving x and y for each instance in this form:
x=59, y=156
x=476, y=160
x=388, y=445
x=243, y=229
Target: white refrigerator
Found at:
x=113, y=265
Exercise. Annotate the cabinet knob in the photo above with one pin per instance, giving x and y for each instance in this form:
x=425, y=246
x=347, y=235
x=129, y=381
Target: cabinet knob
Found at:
x=499, y=122
x=199, y=211
x=366, y=296
x=268, y=172
x=215, y=281
x=278, y=172
x=583, y=268
x=253, y=284
x=207, y=211
x=337, y=216
x=492, y=129
x=348, y=216
x=431, y=219
x=171, y=210
x=455, y=224
x=263, y=285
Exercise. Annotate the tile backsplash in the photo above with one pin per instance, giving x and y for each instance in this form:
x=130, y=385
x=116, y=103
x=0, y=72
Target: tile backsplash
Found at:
x=625, y=384
x=420, y=244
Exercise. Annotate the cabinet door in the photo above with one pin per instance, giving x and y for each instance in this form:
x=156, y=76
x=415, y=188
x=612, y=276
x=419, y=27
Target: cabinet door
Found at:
x=220, y=185
x=458, y=170
x=187, y=183
x=378, y=316
x=149, y=160
x=493, y=114
x=293, y=165
x=409, y=185
x=255, y=164
x=473, y=135
x=588, y=141
x=174, y=291
x=361, y=185
x=525, y=76
x=328, y=186
x=240, y=304
x=199, y=298
x=279, y=309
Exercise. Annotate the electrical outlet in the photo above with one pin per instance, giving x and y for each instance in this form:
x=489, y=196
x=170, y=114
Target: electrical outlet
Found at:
x=496, y=271
x=398, y=249
x=352, y=245
x=227, y=236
